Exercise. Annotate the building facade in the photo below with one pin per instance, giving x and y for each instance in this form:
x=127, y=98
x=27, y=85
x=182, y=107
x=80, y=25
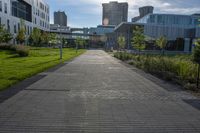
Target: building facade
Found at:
x=114, y=13
x=101, y=30
x=35, y=13
x=180, y=30
x=60, y=18
x=143, y=11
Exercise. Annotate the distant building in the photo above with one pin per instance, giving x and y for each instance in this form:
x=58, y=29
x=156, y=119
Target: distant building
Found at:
x=101, y=30
x=58, y=28
x=60, y=18
x=180, y=30
x=114, y=13
x=143, y=12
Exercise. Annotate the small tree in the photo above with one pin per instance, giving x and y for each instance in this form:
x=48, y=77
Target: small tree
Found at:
x=78, y=42
x=196, y=58
x=64, y=42
x=21, y=37
x=53, y=39
x=5, y=36
x=122, y=42
x=36, y=37
x=161, y=42
x=138, y=40
x=44, y=38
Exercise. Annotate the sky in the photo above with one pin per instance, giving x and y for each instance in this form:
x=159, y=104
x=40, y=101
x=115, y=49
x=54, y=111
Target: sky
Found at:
x=88, y=13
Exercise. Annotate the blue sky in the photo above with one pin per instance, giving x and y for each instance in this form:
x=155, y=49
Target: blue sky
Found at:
x=88, y=13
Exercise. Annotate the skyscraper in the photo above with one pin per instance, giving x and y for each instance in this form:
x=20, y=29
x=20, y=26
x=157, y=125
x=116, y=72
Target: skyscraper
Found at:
x=114, y=13
x=60, y=18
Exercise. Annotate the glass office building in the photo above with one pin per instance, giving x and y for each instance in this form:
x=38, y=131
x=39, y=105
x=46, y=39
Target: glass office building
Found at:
x=178, y=29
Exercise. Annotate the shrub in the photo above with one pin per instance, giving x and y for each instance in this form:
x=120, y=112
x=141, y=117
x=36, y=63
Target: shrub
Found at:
x=22, y=50
x=7, y=47
x=178, y=68
x=191, y=87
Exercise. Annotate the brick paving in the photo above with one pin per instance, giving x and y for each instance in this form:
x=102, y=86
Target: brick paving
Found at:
x=96, y=93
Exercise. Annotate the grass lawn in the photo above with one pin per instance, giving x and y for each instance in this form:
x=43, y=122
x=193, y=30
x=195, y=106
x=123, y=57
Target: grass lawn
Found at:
x=14, y=68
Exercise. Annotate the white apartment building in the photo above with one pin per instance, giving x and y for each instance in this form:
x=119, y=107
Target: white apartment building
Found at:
x=35, y=13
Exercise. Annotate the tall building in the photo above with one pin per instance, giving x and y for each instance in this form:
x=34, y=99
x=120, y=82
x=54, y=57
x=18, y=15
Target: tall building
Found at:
x=35, y=13
x=60, y=18
x=143, y=12
x=114, y=13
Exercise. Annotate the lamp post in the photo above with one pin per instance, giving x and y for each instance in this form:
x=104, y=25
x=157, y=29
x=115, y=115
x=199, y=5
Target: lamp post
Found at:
x=60, y=44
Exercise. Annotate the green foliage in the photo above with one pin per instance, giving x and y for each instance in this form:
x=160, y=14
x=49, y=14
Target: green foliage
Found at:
x=179, y=68
x=121, y=41
x=196, y=52
x=161, y=42
x=5, y=36
x=35, y=37
x=21, y=50
x=21, y=37
x=53, y=39
x=44, y=38
x=138, y=40
x=80, y=42
x=7, y=47
x=14, y=68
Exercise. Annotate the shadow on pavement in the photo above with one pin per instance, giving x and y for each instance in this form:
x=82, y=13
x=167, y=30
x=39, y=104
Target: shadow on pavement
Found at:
x=6, y=94
x=194, y=103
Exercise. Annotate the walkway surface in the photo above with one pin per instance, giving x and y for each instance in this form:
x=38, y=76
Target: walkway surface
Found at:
x=96, y=93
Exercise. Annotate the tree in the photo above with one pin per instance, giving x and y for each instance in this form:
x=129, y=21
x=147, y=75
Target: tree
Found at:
x=36, y=37
x=121, y=41
x=5, y=36
x=64, y=42
x=196, y=58
x=21, y=37
x=161, y=42
x=78, y=42
x=138, y=40
x=53, y=39
x=44, y=38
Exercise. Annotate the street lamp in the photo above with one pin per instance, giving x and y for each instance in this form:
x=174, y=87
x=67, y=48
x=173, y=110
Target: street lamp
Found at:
x=60, y=44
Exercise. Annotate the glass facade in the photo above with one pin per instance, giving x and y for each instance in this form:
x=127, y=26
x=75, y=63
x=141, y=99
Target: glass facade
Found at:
x=5, y=8
x=0, y=6
x=21, y=9
x=169, y=19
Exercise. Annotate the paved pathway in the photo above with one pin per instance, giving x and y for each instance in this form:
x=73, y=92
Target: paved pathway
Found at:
x=96, y=93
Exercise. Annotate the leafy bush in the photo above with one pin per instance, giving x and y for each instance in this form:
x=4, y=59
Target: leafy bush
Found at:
x=178, y=68
x=22, y=50
x=189, y=86
x=7, y=47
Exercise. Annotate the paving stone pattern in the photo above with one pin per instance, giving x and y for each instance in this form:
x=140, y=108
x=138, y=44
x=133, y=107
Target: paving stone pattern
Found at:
x=96, y=93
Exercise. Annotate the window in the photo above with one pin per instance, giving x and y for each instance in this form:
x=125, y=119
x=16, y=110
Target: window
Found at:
x=15, y=28
x=28, y=30
x=21, y=9
x=5, y=8
x=0, y=6
x=8, y=25
x=18, y=26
